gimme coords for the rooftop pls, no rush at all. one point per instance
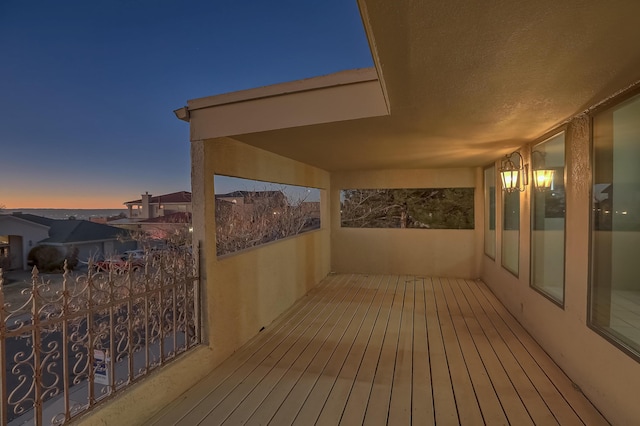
(174, 197)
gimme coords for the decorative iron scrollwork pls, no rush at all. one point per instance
(71, 344)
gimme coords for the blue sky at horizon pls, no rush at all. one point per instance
(88, 89)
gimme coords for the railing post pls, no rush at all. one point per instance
(65, 341)
(111, 353)
(130, 353)
(147, 308)
(174, 305)
(160, 306)
(37, 344)
(197, 310)
(3, 355)
(90, 335)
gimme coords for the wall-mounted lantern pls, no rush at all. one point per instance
(514, 175)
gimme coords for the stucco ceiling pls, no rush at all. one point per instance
(468, 81)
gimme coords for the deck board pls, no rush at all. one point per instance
(531, 399)
(402, 385)
(576, 400)
(274, 399)
(310, 412)
(298, 398)
(379, 398)
(422, 397)
(333, 409)
(458, 342)
(481, 307)
(503, 384)
(395, 350)
(358, 401)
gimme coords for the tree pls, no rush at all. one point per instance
(259, 217)
(439, 208)
(374, 208)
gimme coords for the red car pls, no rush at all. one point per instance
(119, 264)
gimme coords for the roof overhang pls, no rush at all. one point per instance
(455, 84)
(346, 95)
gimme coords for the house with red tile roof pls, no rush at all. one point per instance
(149, 206)
(158, 217)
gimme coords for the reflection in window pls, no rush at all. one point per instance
(428, 208)
(490, 211)
(250, 213)
(615, 287)
(511, 230)
(548, 218)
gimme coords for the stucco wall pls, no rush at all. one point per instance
(241, 292)
(434, 252)
(607, 376)
(248, 290)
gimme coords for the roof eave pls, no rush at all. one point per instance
(348, 95)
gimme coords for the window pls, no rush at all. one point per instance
(490, 212)
(250, 213)
(511, 230)
(615, 286)
(548, 218)
(427, 208)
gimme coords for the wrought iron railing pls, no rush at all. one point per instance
(77, 341)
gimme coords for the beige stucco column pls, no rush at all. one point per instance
(198, 222)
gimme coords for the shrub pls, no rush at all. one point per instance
(46, 258)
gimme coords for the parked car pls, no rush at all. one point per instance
(134, 254)
(119, 264)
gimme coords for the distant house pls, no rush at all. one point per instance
(158, 217)
(149, 207)
(19, 233)
(91, 239)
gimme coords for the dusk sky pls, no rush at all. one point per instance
(88, 88)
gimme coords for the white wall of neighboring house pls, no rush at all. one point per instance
(23, 235)
(149, 210)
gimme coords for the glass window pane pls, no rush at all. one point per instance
(615, 287)
(250, 213)
(490, 211)
(423, 208)
(548, 218)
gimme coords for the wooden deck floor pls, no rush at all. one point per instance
(393, 350)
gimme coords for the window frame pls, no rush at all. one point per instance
(225, 255)
(548, 136)
(596, 111)
(486, 210)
